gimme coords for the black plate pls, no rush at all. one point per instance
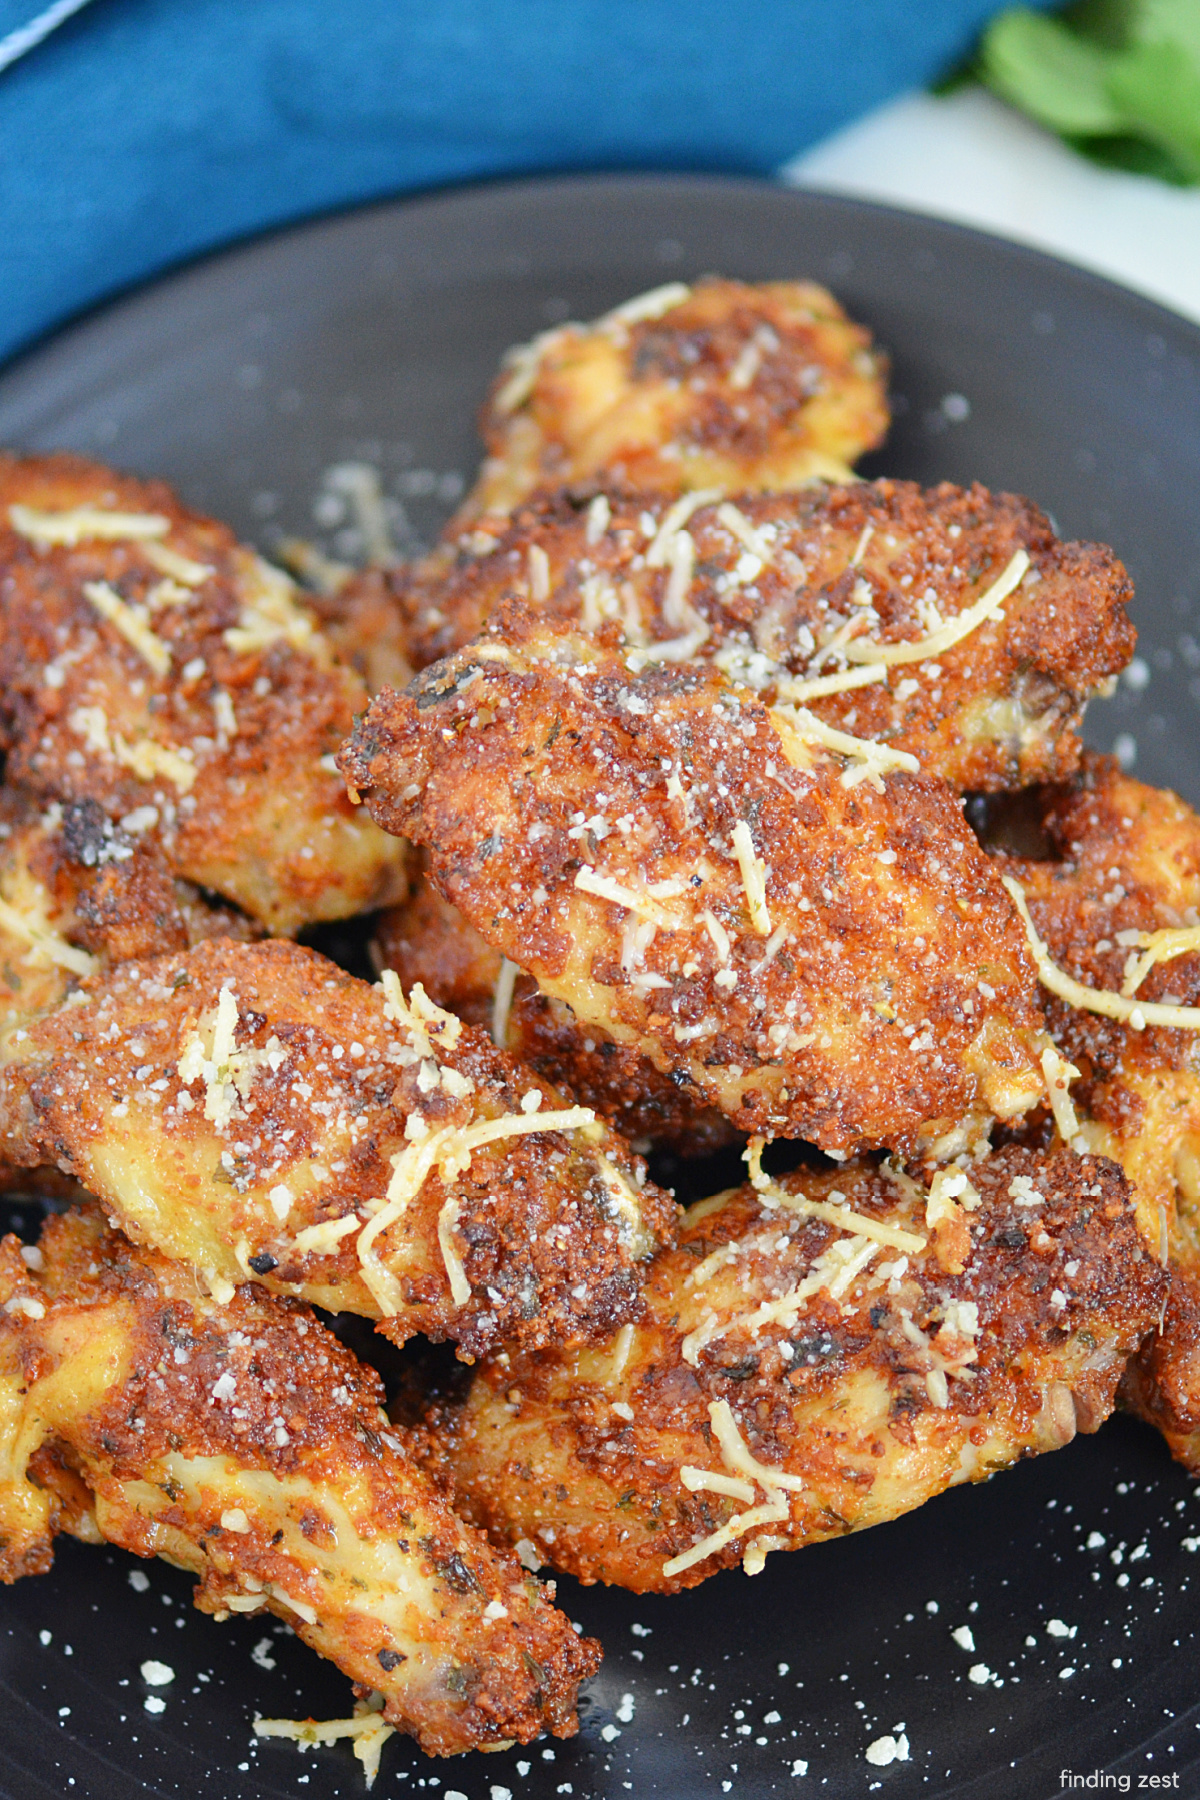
(371, 338)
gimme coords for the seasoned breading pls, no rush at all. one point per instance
(79, 894)
(698, 878)
(793, 1380)
(150, 663)
(725, 384)
(799, 587)
(1125, 866)
(259, 1114)
(244, 1443)
(426, 939)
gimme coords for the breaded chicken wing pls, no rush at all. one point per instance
(150, 663)
(818, 951)
(79, 894)
(244, 1443)
(1117, 907)
(427, 940)
(834, 586)
(726, 384)
(258, 1114)
(813, 1360)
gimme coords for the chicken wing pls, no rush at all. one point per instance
(818, 952)
(259, 1114)
(244, 1443)
(153, 665)
(427, 940)
(1116, 905)
(813, 1360)
(725, 384)
(870, 601)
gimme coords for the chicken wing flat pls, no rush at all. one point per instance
(152, 664)
(427, 940)
(725, 384)
(79, 894)
(870, 601)
(1117, 908)
(260, 1115)
(813, 1360)
(244, 1443)
(818, 951)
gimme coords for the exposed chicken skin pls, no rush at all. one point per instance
(149, 662)
(725, 384)
(427, 940)
(78, 894)
(791, 1382)
(260, 1115)
(246, 1444)
(696, 878)
(789, 587)
(1129, 866)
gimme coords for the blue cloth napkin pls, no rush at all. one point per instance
(144, 131)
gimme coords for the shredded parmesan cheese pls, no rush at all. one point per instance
(1059, 1074)
(539, 573)
(754, 878)
(502, 998)
(674, 519)
(738, 525)
(747, 1474)
(45, 944)
(796, 692)
(131, 622)
(421, 1018)
(149, 760)
(183, 569)
(875, 760)
(270, 612)
(858, 1224)
(925, 649)
(644, 904)
(599, 517)
(460, 1287)
(1124, 1008)
(321, 1239)
(449, 1149)
(79, 523)
(1158, 947)
(651, 305)
(367, 1728)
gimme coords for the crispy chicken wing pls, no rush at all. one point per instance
(259, 1114)
(725, 384)
(150, 663)
(244, 1443)
(817, 951)
(426, 939)
(813, 1361)
(803, 587)
(1117, 906)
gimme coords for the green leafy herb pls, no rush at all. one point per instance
(1118, 79)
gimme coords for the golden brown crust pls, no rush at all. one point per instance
(1124, 861)
(226, 1158)
(211, 700)
(247, 1444)
(999, 709)
(879, 993)
(426, 939)
(731, 385)
(910, 1380)
(79, 894)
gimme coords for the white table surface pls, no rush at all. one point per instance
(968, 157)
